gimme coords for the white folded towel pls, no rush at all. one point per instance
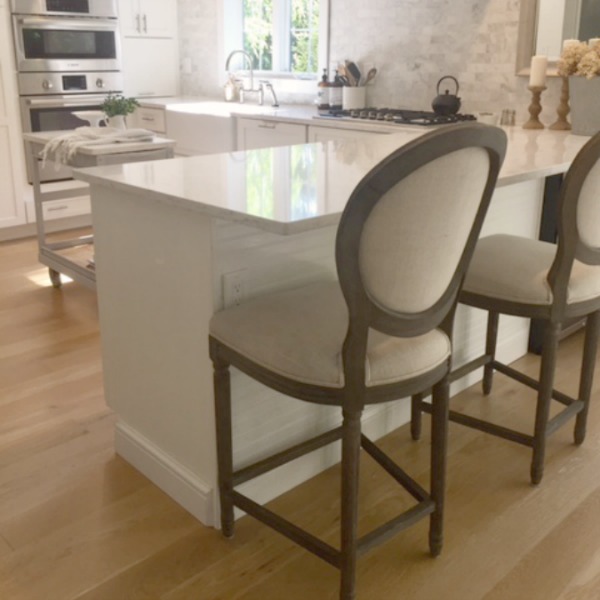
(63, 147)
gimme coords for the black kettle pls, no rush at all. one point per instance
(446, 104)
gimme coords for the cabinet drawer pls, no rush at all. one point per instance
(152, 119)
(60, 209)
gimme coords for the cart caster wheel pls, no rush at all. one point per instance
(55, 278)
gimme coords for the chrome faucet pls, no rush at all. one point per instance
(267, 84)
(244, 90)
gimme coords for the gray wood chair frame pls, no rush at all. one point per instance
(363, 315)
(570, 247)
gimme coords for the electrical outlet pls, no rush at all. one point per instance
(234, 288)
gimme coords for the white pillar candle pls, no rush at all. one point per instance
(567, 43)
(537, 72)
(593, 41)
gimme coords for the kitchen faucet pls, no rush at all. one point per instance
(260, 90)
(244, 90)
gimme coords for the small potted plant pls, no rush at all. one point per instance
(116, 107)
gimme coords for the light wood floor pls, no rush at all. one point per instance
(76, 522)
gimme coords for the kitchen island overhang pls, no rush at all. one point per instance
(169, 233)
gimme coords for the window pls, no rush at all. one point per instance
(284, 36)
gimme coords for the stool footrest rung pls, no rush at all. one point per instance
(562, 417)
(281, 458)
(467, 368)
(405, 480)
(486, 427)
(530, 382)
(393, 526)
(293, 532)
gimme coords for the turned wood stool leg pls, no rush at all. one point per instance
(590, 346)
(439, 441)
(349, 520)
(416, 416)
(222, 386)
(490, 349)
(547, 369)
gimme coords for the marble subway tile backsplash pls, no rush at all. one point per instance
(413, 43)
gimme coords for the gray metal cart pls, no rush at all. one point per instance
(60, 256)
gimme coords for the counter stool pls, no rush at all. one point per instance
(381, 333)
(539, 280)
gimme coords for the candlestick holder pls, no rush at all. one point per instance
(563, 109)
(535, 108)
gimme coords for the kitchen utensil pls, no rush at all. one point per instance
(353, 71)
(370, 75)
(446, 104)
(346, 76)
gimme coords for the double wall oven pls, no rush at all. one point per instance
(68, 57)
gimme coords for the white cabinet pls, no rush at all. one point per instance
(12, 177)
(148, 18)
(150, 47)
(258, 133)
(150, 67)
(151, 118)
(317, 133)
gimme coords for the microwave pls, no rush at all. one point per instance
(66, 44)
(106, 9)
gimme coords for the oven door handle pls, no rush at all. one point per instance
(96, 24)
(41, 103)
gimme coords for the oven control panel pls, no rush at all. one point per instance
(33, 84)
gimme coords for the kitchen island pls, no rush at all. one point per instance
(177, 240)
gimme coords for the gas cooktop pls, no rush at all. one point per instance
(399, 116)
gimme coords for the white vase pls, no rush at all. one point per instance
(585, 105)
(118, 122)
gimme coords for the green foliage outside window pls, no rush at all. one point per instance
(302, 33)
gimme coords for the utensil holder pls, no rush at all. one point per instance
(354, 97)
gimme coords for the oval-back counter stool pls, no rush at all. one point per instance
(381, 333)
(540, 280)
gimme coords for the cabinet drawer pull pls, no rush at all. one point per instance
(268, 125)
(145, 24)
(149, 119)
(138, 24)
(56, 208)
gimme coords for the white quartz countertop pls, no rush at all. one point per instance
(292, 189)
(305, 114)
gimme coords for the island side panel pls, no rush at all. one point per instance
(153, 267)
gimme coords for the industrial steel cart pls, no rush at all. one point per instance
(61, 256)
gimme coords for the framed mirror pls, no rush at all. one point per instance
(544, 24)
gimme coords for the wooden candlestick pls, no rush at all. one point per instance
(563, 109)
(535, 108)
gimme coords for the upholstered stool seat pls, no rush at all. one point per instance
(300, 333)
(379, 333)
(515, 269)
(553, 283)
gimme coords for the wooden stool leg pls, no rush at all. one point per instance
(439, 441)
(590, 346)
(547, 369)
(349, 522)
(222, 389)
(416, 416)
(490, 350)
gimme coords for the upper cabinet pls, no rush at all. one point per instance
(150, 47)
(148, 18)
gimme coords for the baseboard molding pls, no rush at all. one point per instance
(188, 490)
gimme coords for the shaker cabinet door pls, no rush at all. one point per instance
(148, 18)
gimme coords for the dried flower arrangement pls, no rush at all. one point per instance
(580, 59)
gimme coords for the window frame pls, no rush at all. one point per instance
(232, 31)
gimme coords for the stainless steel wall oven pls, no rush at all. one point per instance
(68, 55)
